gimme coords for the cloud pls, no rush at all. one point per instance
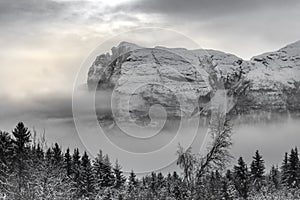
(242, 27)
(204, 9)
(51, 106)
(19, 11)
(33, 17)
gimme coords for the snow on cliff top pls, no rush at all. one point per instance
(271, 69)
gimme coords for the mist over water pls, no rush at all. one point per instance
(271, 138)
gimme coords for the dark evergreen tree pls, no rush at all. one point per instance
(241, 178)
(76, 171)
(98, 172)
(68, 162)
(57, 156)
(169, 184)
(161, 180)
(37, 163)
(48, 156)
(153, 183)
(217, 185)
(108, 176)
(50, 180)
(21, 161)
(228, 188)
(5, 162)
(176, 185)
(86, 178)
(274, 178)
(225, 191)
(132, 181)
(211, 189)
(39, 152)
(293, 165)
(257, 171)
(284, 170)
(119, 179)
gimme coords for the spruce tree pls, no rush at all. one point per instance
(57, 155)
(241, 178)
(48, 156)
(76, 170)
(274, 178)
(119, 179)
(292, 178)
(5, 162)
(21, 161)
(226, 189)
(68, 162)
(169, 183)
(161, 180)
(86, 178)
(284, 170)
(50, 180)
(98, 172)
(37, 163)
(39, 152)
(257, 171)
(108, 177)
(132, 181)
(153, 183)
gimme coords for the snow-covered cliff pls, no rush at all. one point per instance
(175, 78)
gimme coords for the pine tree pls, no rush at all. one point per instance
(76, 170)
(50, 180)
(274, 178)
(257, 171)
(169, 183)
(57, 156)
(176, 185)
(119, 179)
(5, 162)
(284, 170)
(241, 178)
(298, 169)
(293, 164)
(98, 172)
(132, 181)
(37, 162)
(153, 183)
(49, 155)
(68, 162)
(86, 178)
(217, 184)
(160, 180)
(39, 152)
(21, 162)
(227, 189)
(108, 177)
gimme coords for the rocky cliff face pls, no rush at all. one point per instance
(175, 78)
(275, 80)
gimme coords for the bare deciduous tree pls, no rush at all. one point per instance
(225, 92)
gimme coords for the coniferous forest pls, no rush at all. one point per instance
(31, 170)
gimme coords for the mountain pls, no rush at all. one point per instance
(177, 79)
(275, 77)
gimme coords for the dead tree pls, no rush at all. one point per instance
(225, 92)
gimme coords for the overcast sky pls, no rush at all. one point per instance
(43, 43)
